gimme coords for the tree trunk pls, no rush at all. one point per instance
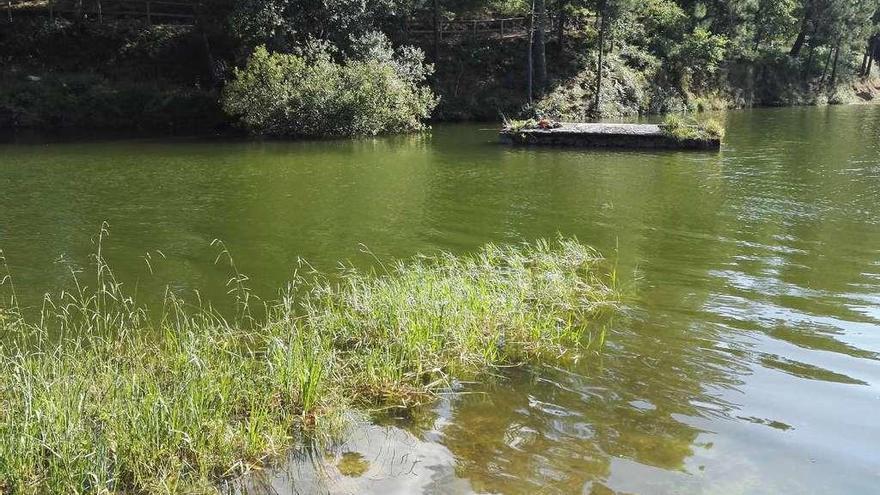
(759, 26)
(834, 70)
(531, 74)
(825, 68)
(436, 31)
(809, 65)
(560, 25)
(874, 53)
(201, 25)
(863, 69)
(598, 101)
(801, 37)
(540, 57)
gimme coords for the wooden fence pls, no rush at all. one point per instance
(447, 28)
(184, 12)
(153, 11)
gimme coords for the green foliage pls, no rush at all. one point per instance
(698, 57)
(116, 50)
(663, 23)
(311, 94)
(520, 125)
(683, 129)
(661, 55)
(709, 102)
(625, 93)
(773, 23)
(126, 404)
(91, 101)
(287, 24)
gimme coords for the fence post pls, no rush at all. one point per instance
(50, 6)
(100, 13)
(149, 14)
(9, 9)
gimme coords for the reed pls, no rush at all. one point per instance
(97, 396)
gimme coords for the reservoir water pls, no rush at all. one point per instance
(747, 359)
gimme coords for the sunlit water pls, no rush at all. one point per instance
(747, 361)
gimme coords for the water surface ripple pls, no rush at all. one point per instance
(748, 360)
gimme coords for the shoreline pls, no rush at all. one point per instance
(39, 135)
(125, 404)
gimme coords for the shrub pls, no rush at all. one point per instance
(311, 94)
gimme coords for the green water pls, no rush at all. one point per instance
(748, 360)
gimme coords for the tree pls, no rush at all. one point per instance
(283, 24)
(875, 55)
(603, 26)
(873, 45)
(436, 23)
(807, 13)
(540, 54)
(772, 20)
(845, 25)
(610, 12)
(561, 19)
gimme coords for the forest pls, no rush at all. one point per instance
(365, 67)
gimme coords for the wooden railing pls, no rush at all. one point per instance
(184, 12)
(502, 26)
(153, 11)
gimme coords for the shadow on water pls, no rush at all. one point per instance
(747, 361)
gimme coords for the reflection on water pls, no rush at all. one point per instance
(748, 360)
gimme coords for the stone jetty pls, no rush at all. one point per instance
(582, 135)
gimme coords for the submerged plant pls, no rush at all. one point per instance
(97, 397)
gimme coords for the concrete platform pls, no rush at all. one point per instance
(583, 135)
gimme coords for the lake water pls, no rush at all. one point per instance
(748, 359)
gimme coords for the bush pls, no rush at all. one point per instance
(311, 94)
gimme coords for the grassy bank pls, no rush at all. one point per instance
(126, 403)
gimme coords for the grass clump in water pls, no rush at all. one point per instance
(519, 125)
(127, 403)
(682, 129)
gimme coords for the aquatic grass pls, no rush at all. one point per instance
(97, 397)
(683, 129)
(513, 125)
